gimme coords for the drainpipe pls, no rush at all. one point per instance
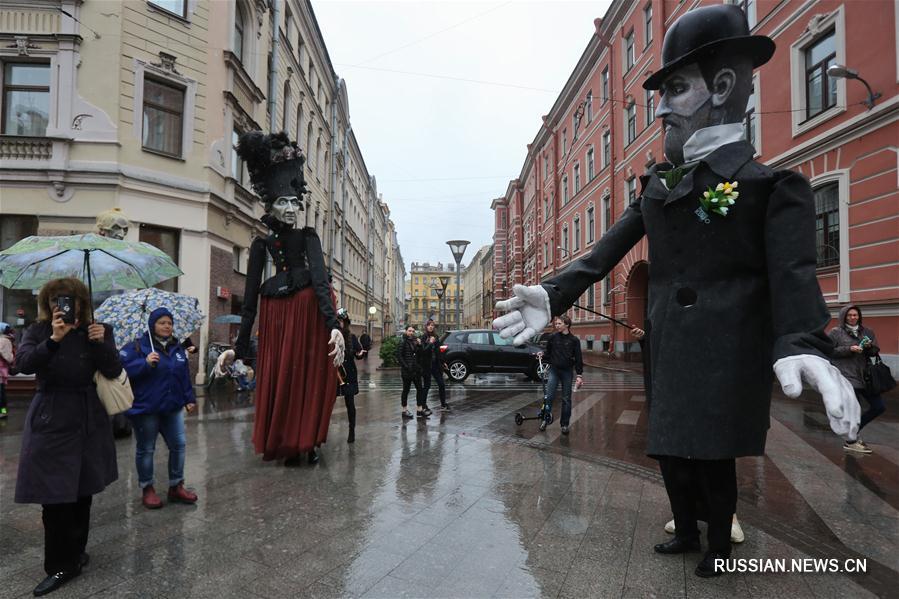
(273, 67)
(333, 172)
(343, 194)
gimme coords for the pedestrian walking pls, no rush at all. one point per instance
(7, 356)
(853, 345)
(160, 379)
(563, 351)
(432, 364)
(68, 454)
(349, 386)
(410, 367)
(365, 340)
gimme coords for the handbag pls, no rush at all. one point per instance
(878, 378)
(115, 394)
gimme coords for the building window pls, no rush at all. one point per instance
(545, 253)
(236, 259)
(288, 25)
(167, 240)
(12, 230)
(575, 124)
(564, 242)
(565, 190)
(26, 98)
(647, 24)
(589, 105)
(630, 114)
(545, 208)
(630, 53)
(237, 165)
(820, 89)
(285, 116)
(606, 148)
(748, 7)
(605, 84)
(591, 296)
(300, 121)
(564, 141)
(650, 106)
(607, 290)
(577, 178)
(545, 167)
(827, 224)
(591, 164)
(163, 126)
(591, 224)
(239, 24)
(750, 119)
(632, 190)
(178, 7)
(577, 233)
(606, 213)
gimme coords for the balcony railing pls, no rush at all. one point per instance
(16, 147)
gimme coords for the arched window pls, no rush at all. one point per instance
(285, 123)
(309, 141)
(318, 152)
(299, 122)
(239, 25)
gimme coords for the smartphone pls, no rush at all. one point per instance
(66, 305)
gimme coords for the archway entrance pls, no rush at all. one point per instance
(638, 294)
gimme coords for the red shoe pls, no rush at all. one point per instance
(181, 495)
(150, 499)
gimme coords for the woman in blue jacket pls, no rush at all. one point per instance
(160, 378)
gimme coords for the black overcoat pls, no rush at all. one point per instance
(727, 298)
(67, 446)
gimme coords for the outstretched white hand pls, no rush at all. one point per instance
(529, 313)
(339, 348)
(840, 402)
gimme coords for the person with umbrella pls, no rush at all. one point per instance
(160, 379)
(68, 454)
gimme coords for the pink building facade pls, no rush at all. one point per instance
(582, 168)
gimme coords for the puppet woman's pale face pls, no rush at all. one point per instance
(286, 208)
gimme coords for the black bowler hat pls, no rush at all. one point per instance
(707, 31)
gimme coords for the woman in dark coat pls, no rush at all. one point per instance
(350, 386)
(68, 454)
(407, 355)
(853, 345)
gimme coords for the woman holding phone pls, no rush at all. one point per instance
(68, 454)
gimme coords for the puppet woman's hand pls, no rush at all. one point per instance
(339, 348)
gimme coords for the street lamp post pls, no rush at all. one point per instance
(444, 281)
(458, 247)
(371, 316)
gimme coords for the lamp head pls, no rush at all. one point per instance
(841, 72)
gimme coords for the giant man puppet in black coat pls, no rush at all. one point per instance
(296, 377)
(732, 285)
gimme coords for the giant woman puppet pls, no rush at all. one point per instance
(733, 296)
(297, 377)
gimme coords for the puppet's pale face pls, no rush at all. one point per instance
(286, 208)
(115, 231)
(685, 108)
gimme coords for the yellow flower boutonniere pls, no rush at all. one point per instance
(717, 201)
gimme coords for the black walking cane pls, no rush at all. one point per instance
(624, 324)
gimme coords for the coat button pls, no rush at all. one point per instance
(686, 297)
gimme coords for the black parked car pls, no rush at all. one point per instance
(482, 350)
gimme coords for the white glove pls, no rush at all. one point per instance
(840, 402)
(530, 313)
(339, 348)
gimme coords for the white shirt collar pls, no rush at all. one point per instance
(705, 141)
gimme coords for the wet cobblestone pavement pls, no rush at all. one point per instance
(469, 504)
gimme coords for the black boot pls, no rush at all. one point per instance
(707, 569)
(678, 545)
(54, 581)
(351, 436)
(313, 457)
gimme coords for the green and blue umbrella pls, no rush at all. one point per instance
(103, 263)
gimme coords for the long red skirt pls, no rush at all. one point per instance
(296, 380)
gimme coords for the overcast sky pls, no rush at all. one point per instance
(445, 137)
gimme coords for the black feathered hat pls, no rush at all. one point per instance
(275, 164)
(707, 31)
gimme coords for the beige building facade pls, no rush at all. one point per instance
(138, 105)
